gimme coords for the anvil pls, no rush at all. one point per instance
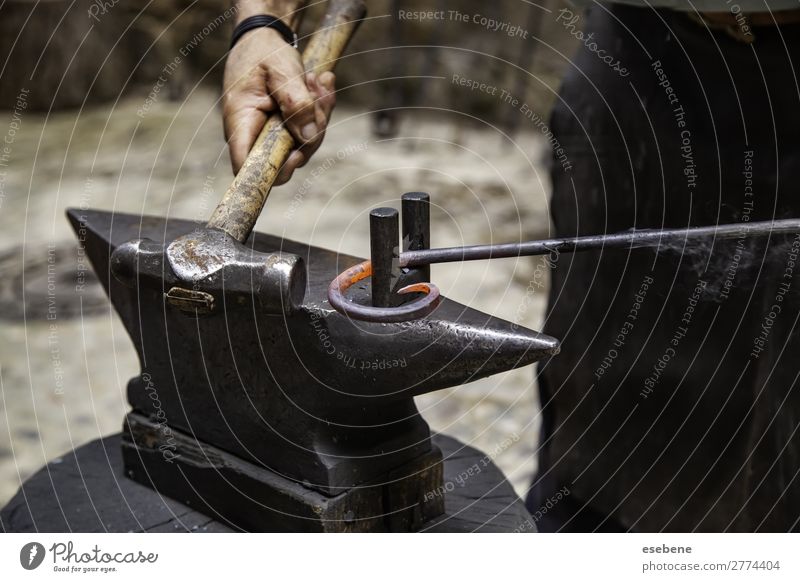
(265, 419)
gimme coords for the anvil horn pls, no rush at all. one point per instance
(309, 394)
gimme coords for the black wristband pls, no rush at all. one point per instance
(264, 21)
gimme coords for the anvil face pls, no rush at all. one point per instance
(311, 395)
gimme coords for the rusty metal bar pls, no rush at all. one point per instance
(633, 239)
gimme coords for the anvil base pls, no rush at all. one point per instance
(254, 498)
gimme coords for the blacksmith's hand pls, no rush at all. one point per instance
(264, 74)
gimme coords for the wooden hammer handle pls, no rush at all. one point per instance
(240, 207)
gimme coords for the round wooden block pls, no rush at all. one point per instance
(86, 491)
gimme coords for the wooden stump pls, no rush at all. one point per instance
(86, 491)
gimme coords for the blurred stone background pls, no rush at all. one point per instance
(77, 132)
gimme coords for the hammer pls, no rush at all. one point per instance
(197, 266)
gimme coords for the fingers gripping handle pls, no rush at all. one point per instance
(240, 207)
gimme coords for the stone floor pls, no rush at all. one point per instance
(65, 358)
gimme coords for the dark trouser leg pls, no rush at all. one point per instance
(658, 413)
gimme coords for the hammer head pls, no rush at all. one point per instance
(284, 383)
(198, 268)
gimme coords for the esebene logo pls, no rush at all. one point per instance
(31, 555)
(67, 559)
